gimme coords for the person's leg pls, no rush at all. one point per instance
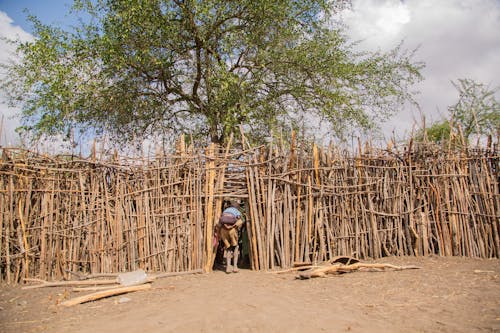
(228, 254)
(235, 259)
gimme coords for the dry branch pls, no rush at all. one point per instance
(103, 294)
(341, 268)
(82, 276)
(78, 289)
(45, 284)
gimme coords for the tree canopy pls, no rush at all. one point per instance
(136, 68)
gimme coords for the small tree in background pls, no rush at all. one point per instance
(476, 112)
(438, 132)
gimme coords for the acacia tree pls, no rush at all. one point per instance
(141, 67)
(477, 110)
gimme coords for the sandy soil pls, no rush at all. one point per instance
(446, 295)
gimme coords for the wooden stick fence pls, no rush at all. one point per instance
(303, 204)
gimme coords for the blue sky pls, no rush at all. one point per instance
(48, 11)
(455, 38)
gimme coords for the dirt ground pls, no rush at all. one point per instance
(446, 295)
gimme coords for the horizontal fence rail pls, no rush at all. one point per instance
(64, 214)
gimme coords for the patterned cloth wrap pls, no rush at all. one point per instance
(229, 216)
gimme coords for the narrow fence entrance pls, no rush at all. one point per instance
(233, 187)
(63, 214)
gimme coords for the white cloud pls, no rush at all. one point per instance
(455, 38)
(7, 29)
(379, 23)
(8, 121)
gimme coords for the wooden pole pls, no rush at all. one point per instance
(103, 294)
(209, 202)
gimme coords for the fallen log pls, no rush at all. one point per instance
(303, 266)
(82, 276)
(105, 293)
(340, 268)
(96, 288)
(68, 283)
(88, 282)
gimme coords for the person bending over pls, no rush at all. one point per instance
(229, 224)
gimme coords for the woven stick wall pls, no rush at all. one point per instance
(303, 204)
